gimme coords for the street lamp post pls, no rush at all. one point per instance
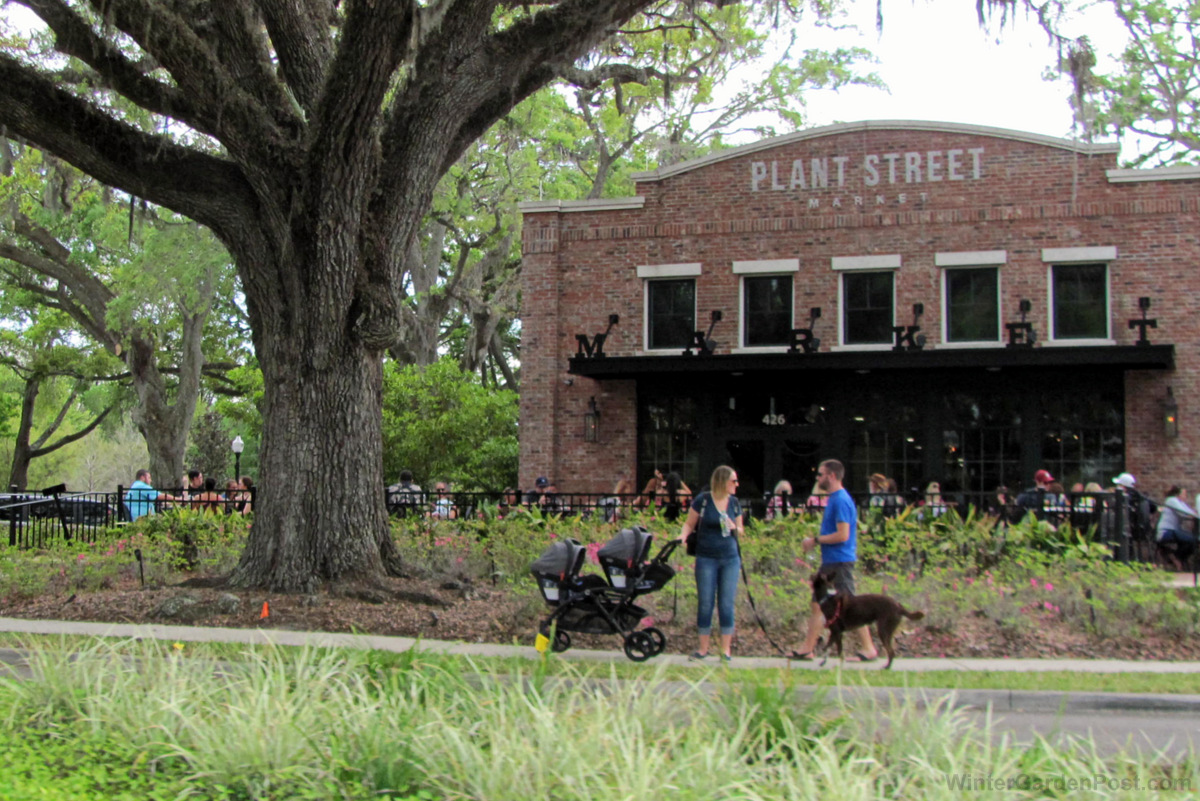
(238, 446)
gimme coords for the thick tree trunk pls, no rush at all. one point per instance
(162, 424)
(319, 514)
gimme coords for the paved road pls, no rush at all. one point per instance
(1175, 735)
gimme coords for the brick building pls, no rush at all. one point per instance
(931, 301)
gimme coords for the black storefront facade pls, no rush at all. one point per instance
(971, 419)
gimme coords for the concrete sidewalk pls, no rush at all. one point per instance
(1047, 701)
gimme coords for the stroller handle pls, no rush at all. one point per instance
(665, 553)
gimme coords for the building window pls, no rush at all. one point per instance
(670, 313)
(669, 438)
(1079, 295)
(867, 308)
(972, 305)
(766, 310)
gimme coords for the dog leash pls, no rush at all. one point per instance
(753, 606)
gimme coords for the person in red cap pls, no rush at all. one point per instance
(1032, 498)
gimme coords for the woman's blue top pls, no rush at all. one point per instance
(716, 532)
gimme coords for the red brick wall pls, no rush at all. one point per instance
(580, 267)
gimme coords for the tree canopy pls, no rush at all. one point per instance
(309, 136)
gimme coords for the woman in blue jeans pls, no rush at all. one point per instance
(715, 518)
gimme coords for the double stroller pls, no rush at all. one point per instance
(594, 605)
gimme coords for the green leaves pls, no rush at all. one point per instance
(442, 424)
(1155, 92)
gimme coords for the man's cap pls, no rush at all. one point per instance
(542, 481)
(1043, 477)
(1125, 480)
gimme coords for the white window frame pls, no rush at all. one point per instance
(1105, 255)
(760, 268)
(651, 272)
(966, 260)
(873, 264)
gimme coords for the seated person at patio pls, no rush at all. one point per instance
(443, 506)
(933, 505)
(209, 500)
(1173, 517)
(676, 495)
(651, 493)
(1031, 499)
(536, 495)
(142, 499)
(816, 499)
(1055, 502)
(623, 491)
(780, 504)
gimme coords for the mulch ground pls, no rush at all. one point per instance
(443, 609)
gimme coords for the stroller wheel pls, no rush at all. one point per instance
(639, 646)
(658, 639)
(561, 641)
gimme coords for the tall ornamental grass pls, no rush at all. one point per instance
(337, 724)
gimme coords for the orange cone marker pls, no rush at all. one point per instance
(266, 612)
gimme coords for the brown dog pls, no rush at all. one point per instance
(844, 612)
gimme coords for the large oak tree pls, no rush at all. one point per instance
(334, 122)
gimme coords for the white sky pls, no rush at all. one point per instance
(940, 65)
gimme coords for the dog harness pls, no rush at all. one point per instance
(837, 613)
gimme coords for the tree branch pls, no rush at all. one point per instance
(299, 30)
(207, 189)
(254, 126)
(74, 37)
(78, 435)
(619, 73)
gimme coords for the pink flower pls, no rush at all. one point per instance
(1033, 583)
(883, 589)
(1049, 587)
(970, 581)
(593, 550)
(81, 557)
(954, 586)
(1048, 606)
(646, 621)
(990, 582)
(799, 561)
(912, 576)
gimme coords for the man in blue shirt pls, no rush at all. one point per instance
(838, 539)
(140, 500)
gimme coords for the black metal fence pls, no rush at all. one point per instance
(1125, 522)
(37, 519)
(1122, 521)
(34, 520)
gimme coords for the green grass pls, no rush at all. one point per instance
(1058, 681)
(120, 720)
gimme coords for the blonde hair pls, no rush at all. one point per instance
(719, 479)
(783, 486)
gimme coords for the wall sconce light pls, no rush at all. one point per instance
(591, 422)
(1170, 415)
(1142, 324)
